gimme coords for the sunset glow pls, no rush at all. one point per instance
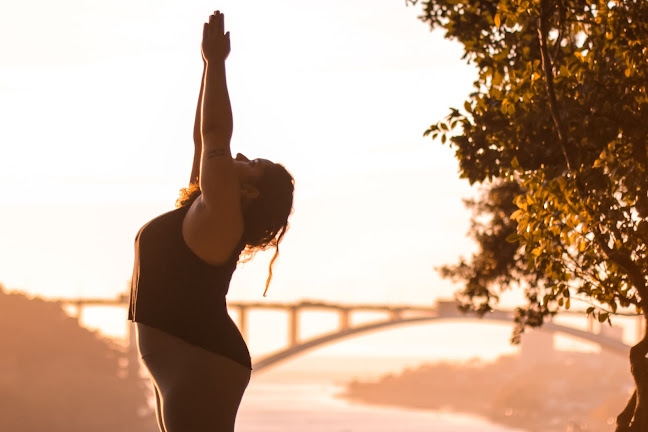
(100, 102)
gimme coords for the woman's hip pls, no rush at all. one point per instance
(170, 359)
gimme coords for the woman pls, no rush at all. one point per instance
(184, 259)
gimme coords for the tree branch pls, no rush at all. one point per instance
(561, 32)
(547, 67)
(603, 309)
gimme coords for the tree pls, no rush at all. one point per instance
(58, 376)
(556, 131)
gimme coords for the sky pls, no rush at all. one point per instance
(97, 101)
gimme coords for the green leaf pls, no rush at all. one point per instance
(512, 238)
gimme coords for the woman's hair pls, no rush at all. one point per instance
(265, 218)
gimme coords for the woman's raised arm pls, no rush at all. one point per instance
(216, 124)
(214, 224)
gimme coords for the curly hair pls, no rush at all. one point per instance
(265, 219)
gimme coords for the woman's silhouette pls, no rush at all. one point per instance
(184, 259)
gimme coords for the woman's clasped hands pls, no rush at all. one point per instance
(215, 43)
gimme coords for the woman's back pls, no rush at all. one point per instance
(175, 291)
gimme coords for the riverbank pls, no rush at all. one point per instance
(572, 391)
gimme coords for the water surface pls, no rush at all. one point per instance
(275, 405)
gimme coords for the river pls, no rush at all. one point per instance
(276, 403)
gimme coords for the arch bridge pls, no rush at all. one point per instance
(393, 315)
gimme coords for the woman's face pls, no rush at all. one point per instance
(249, 171)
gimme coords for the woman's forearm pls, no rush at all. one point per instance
(197, 136)
(216, 117)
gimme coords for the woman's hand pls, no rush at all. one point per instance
(215, 43)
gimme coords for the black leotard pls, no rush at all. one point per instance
(177, 292)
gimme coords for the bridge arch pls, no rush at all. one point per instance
(443, 310)
(610, 344)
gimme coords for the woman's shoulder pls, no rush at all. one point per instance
(212, 236)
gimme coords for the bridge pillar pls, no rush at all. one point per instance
(344, 319)
(243, 321)
(590, 324)
(395, 314)
(293, 326)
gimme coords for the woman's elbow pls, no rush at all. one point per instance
(216, 136)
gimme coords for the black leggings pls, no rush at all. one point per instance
(195, 390)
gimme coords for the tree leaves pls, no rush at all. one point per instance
(562, 211)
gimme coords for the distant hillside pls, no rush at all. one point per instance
(574, 392)
(56, 376)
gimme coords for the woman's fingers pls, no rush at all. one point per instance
(217, 23)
